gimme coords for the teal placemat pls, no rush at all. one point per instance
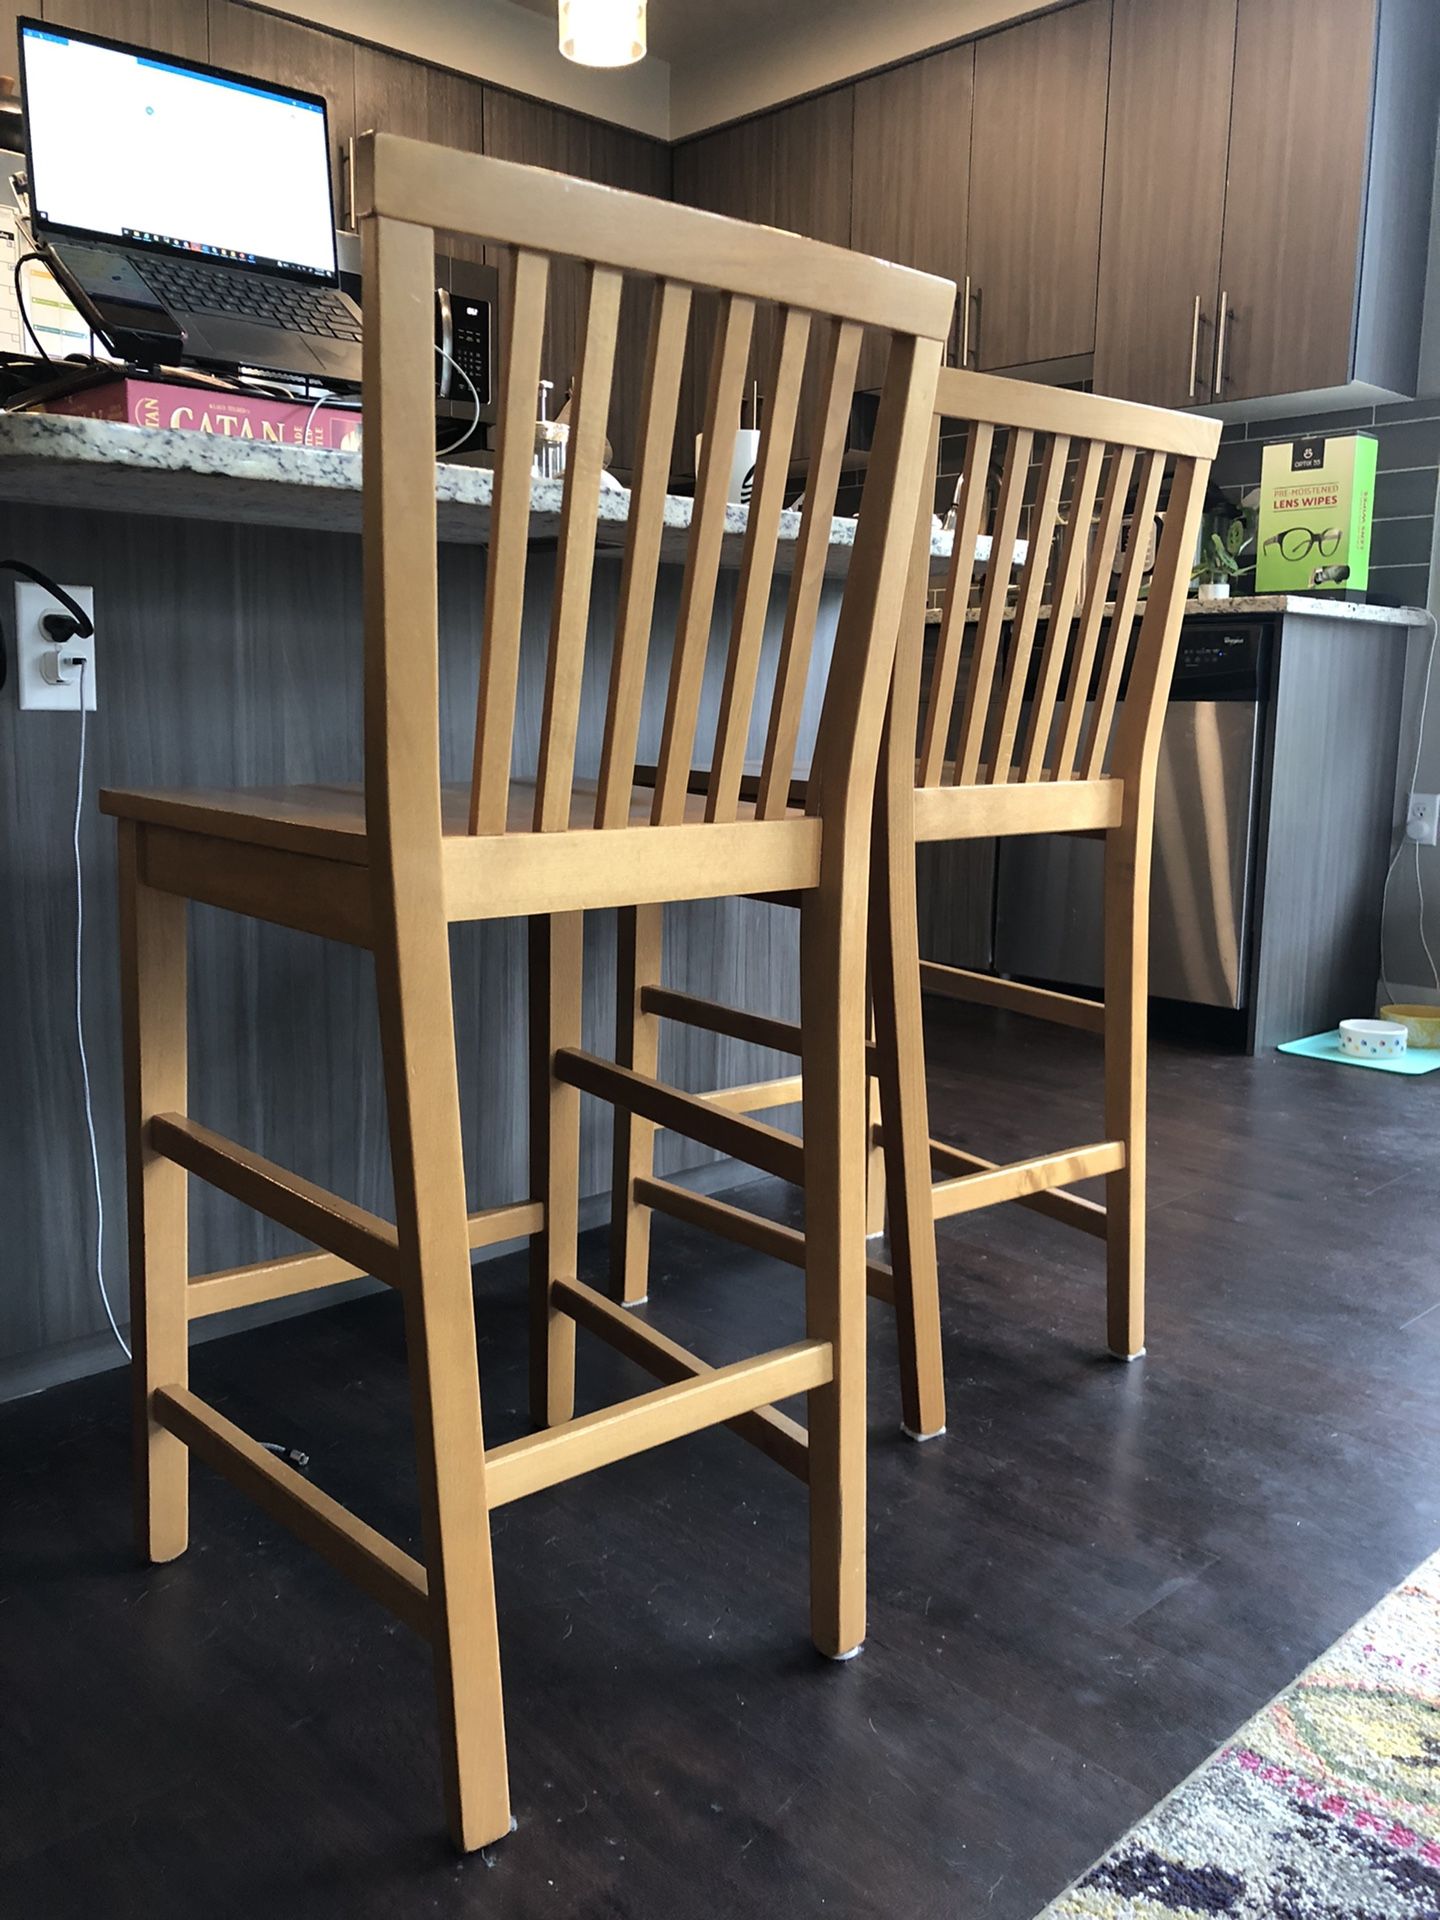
(1326, 1046)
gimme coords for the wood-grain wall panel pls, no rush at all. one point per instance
(294, 55)
(169, 26)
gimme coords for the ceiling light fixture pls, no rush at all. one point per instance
(602, 33)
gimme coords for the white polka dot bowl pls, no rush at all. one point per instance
(1372, 1039)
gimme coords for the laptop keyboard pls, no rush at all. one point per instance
(251, 296)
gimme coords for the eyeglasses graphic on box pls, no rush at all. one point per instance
(1298, 543)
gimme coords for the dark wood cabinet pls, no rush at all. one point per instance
(792, 169)
(543, 136)
(910, 188)
(169, 26)
(297, 56)
(1166, 154)
(1300, 133)
(1037, 159)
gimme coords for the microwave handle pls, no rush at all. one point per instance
(445, 322)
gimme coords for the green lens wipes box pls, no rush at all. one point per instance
(1317, 500)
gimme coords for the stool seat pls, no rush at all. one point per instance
(300, 855)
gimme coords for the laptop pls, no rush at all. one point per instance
(186, 210)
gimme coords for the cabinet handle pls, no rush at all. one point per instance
(965, 324)
(1194, 346)
(972, 335)
(1221, 324)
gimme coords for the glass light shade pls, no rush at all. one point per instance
(602, 33)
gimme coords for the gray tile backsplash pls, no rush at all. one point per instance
(1406, 485)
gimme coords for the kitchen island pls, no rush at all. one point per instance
(227, 579)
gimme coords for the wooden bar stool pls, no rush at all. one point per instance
(389, 867)
(1042, 713)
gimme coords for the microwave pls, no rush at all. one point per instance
(467, 298)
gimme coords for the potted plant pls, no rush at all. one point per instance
(1214, 570)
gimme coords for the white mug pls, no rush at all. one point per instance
(742, 464)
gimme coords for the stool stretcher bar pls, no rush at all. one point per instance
(746, 1229)
(301, 1272)
(1024, 1177)
(690, 1113)
(784, 1440)
(354, 1549)
(544, 1459)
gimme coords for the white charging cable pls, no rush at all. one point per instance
(454, 447)
(80, 1033)
(1395, 860)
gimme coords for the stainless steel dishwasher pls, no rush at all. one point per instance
(1048, 921)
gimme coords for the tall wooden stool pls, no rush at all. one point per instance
(391, 866)
(1041, 713)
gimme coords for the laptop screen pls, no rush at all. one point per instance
(164, 154)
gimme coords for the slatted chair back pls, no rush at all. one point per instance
(823, 301)
(1076, 519)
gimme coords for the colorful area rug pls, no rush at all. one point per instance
(1325, 1806)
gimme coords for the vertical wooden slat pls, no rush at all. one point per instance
(664, 368)
(837, 393)
(575, 560)
(939, 711)
(702, 561)
(1064, 600)
(762, 533)
(1122, 620)
(522, 315)
(992, 608)
(1097, 592)
(1027, 605)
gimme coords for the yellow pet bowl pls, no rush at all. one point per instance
(1421, 1024)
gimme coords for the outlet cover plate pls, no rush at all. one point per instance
(36, 693)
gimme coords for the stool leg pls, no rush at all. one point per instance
(1127, 972)
(152, 987)
(417, 1032)
(637, 1044)
(905, 1121)
(832, 974)
(556, 960)
(874, 1160)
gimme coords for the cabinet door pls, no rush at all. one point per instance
(166, 26)
(787, 169)
(1037, 161)
(910, 198)
(545, 136)
(1299, 145)
(397, 95)
(1166, 145)
(291, 55)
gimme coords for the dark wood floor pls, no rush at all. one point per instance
(1075, 1596)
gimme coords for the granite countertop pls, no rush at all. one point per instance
(52, 459)
(1319, 604)
(1308, 604)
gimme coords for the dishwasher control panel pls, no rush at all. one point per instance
(1219, 659)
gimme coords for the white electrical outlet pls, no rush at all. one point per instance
(1423, 818)
(46, 676)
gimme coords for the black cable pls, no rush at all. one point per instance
(40, 346)
(84, 626)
